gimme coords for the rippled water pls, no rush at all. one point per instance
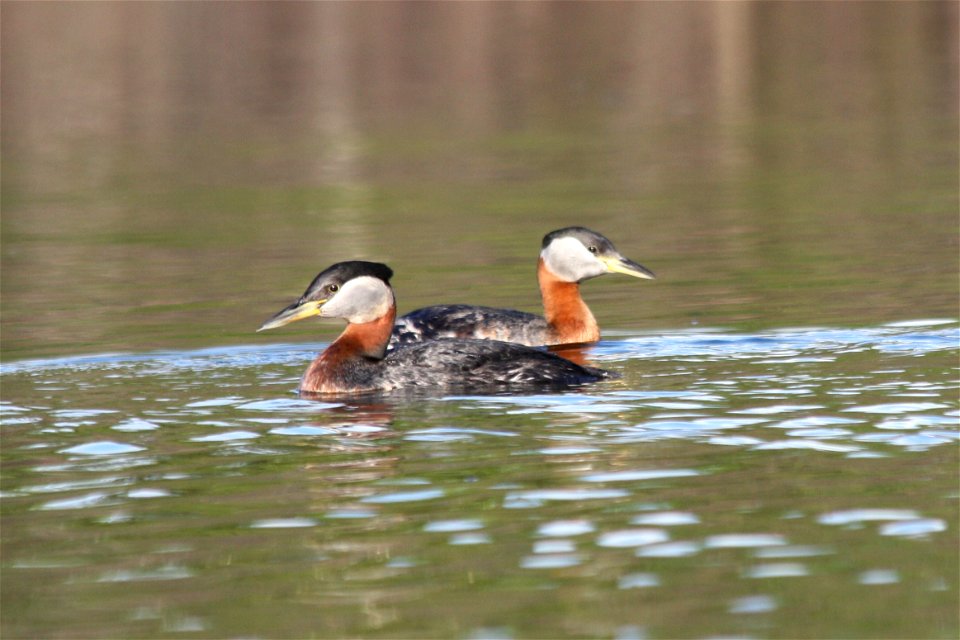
(174, 173)
(792, 483)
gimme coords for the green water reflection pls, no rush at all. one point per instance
(776, 485)
(771, 170)
(174, 172)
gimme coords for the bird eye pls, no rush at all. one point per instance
(592, 249)
(333, 288)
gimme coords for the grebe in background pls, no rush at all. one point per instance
(568, 256)
(358, 361)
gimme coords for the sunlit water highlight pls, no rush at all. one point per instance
(724, 473)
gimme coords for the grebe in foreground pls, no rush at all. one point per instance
(357, 361)
(568, 256)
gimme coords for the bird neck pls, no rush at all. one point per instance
(361, 342)
(568, 317)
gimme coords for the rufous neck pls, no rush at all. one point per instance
(368, 339)
(567, 315)
(358, 342)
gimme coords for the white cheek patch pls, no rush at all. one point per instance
(360, 300)
(570, 260)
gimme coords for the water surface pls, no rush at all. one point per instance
(174, 173)
(778, 460)
(791, 483)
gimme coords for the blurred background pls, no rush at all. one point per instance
(174, 173)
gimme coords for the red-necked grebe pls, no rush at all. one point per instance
(358, 361)
(567, 257)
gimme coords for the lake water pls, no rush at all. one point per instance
(785, 483)
(779, 458)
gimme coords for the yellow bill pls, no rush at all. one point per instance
(297, 311)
